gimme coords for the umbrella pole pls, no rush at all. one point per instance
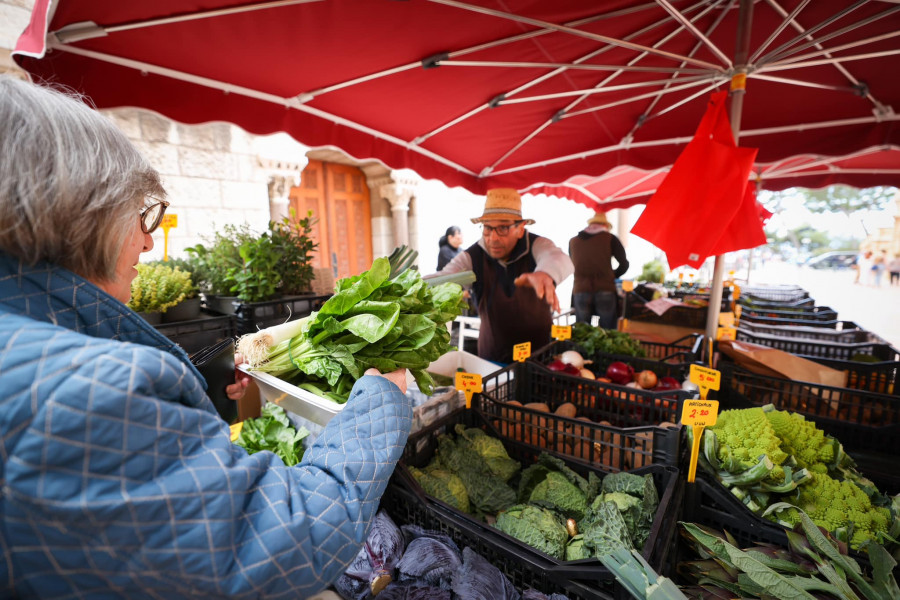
(738, 80)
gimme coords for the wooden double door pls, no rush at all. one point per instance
(339, 198)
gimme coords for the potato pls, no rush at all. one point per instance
(567, 410)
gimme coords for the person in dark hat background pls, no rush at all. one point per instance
(594, 291)
(517, 273)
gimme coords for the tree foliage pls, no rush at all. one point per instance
(847, 200)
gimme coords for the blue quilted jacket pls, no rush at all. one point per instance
(119, 479)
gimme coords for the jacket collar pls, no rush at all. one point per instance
(45, 292)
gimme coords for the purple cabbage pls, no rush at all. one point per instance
(377, 558)
(478, 579)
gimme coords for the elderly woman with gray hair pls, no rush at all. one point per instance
(117, 477)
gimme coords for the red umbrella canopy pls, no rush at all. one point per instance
(626, 186)
(487, 93)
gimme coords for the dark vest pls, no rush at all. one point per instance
(509, 315)
(592, 256)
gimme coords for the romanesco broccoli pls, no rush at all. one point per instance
(744, 435)
(802, 439)
(839, 507)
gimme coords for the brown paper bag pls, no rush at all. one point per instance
(777, 363)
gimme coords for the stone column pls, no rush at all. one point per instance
(281, 176)
(398, 188)
(398, 197)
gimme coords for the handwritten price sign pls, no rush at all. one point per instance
(703, 413)
(169, 221)
(726, 333)
(698, 414)
(561, 332)
(521, 351)
(468, 384)
(705, 378)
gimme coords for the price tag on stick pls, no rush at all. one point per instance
(701, 413)
(561, 332)
(521, 351)
(169, 221)
(468, 384)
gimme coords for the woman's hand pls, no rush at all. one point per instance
(397, 377)
(236, 390)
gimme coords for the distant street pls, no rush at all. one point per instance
(874, 309)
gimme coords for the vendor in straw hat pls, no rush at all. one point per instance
(592, 251)
(517, 273)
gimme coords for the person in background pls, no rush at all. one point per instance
(894, 270)
(879, 264)
(864, 268)
(119, 479)
(450, 245)
(592, 251)
(516, 277)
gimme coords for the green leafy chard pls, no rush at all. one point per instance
(377, 319)
(274, 432)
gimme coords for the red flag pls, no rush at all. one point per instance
(700, 209)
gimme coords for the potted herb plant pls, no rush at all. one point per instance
(158, 288)
(237, 267)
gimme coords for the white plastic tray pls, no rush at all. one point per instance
(305, 405)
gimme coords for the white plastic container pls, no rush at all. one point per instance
(313, 412)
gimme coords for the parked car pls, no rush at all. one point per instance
(833, 260)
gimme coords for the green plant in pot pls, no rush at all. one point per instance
(254, 268)
(292, 238)
(157, 288)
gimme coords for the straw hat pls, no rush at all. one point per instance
(503, 204)
(599, 218)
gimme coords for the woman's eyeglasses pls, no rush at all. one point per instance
(501, 230)
(152, 215)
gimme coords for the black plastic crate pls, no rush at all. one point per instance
(682, 316)
(775, 293)
(199, 333)
(253, 316)
(866, 423)
(620, 405)
(421, 447)
(682, 351)
(404, 507)
(749, 301)
(832, 324)
(880, 375)
(707, 502)
(846, 332)
(833, 350)
(811, 313)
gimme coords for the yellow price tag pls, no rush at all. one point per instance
(699, 414)
(521, 351)
(561, 332)
(705, 378)
(726, 333)
(702, 413)
(236, 430)
(627, 286)
(169, 221)
(736, 292)
(726, 319)
(468, 384)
